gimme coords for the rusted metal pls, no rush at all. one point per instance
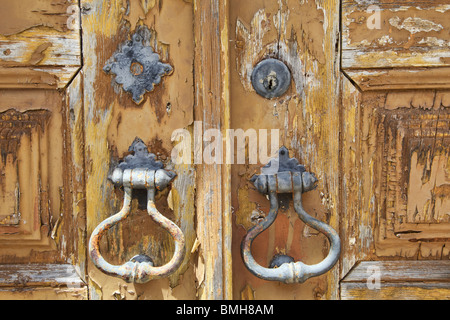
(140, 269)
(290, 178)
(137, 67)
(271, 78)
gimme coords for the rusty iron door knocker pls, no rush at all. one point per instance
(139, 171)
(281, 176)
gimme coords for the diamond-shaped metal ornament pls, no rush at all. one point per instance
(137, 68)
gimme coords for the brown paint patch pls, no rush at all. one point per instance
(38, 54)
(44, 231)
(309, 18)
(17, 16)
(14, 124)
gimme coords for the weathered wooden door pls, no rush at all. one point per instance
(367, 110)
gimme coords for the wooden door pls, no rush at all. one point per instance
(367, 111)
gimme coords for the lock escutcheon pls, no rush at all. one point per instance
(271, 78)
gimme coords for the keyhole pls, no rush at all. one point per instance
(271, 81)
(136, 68)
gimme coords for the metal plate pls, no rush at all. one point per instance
(136, 66)
(271, 78)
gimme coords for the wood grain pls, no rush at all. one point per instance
(41, 282)
(212, 108)
(398, 280)
(41, 49)
(112, 121)
(396, 44)
(304, 35)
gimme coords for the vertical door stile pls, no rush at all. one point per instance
(212, 108)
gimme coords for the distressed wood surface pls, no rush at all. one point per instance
(40, 45)
(212, 108)
(373, 126)
(37, 224)
(76, 199)
(39, 275)
(397, 291)
(398, 280)
(112, 121)
(410, 34)
(411, 37)
(399, 78)
(394, 146)
(44, 293)
(395, 151)
(304, 35)
(401, 271)
(41, 282)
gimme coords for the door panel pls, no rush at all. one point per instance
(39, 226)
(395, 150)
(32, 197)
(112, 120)
(304, 35)
(395, 126)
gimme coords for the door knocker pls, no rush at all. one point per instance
(139, 171)
(288, 177)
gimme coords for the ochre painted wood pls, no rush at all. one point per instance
(112, 121)
(368, 111)
(396, 44)
(40, 43)
(396, 152)
(394, 146)
(42, 225)
(304, 35)
(398, 280)
(212, 108)
(35, 132)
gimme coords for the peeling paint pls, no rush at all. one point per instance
(415, 25)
